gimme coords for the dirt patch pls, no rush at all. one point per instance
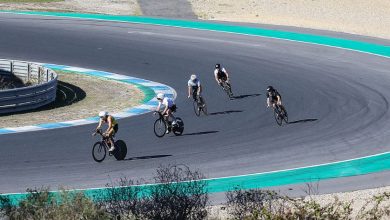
(117, 7)
(79, 96)
(370, 18)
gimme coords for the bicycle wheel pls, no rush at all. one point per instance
(196, 108)
(230, 93)
(204, 107)
(285, 115)
(160, 127)
(180, 127)
(99, 152)
(120, 150)
(277, 116)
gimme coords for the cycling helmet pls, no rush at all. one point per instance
(193, 77)
(160, 96)
(217, 65)
(103, 114)
(270, 88)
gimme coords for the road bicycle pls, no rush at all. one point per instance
(280, 114)
(161, 126)
(227, 88)
(199, 105)
(100, 148)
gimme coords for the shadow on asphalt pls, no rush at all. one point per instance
(245, 96)
(225, 112)
(148, 157)
(303, 121)
(200, 133)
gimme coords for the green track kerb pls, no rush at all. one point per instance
(347, 168)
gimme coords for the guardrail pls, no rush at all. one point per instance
(41, 90)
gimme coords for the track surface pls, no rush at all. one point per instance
(345, 92)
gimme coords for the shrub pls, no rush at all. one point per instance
(41, 204)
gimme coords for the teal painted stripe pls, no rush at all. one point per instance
(376, 49)
(365, 165)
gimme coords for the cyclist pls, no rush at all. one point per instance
(112, 127)
(221, 75)
(195, 88)
(169, 108)
(273, 97)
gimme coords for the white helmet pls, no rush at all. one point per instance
(160, 96)
(103, 114)
(193, 77)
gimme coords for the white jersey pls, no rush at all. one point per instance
(222, 70)
(168, 102)
(194, 83)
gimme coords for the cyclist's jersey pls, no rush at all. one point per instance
(168, 102)
(220, 73)
(273, 95)
(113, 121)
(194, 84)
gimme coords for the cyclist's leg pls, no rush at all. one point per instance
(111, 139)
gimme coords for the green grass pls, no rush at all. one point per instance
(28, 1)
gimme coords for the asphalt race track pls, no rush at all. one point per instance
(337, 101)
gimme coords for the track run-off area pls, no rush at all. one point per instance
(334, 87)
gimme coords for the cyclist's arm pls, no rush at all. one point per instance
(109, 129)
(216, 77)
(165, 110)
(100, 124)
(227, 74)
(279, 100)
(189, 91)
(158, 107)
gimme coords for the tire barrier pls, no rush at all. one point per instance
(39, 90)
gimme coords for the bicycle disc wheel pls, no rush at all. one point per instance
(99, 152)
(121, 150)
(196, 108)
(277, 116)
(160, 127)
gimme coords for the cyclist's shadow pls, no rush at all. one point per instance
(148, 157)
(245, 96)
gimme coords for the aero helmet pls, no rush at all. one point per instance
(103, 114)
(193, 77)
(217, 65)
(270, 88)
(160, 96)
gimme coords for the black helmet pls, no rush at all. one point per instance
(217, 65)
(270, 88)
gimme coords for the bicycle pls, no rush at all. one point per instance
(100, 148)
(280, 114)
(161, 126)
(227, 88)
(199, 105)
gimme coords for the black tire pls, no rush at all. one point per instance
(99, 152)
(277, 117)
(204, 108)
(179, 130)
(285, 115)
(230, 93)
(196, 108)
(160, 127)
(120, 150)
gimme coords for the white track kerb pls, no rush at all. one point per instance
(145, 107)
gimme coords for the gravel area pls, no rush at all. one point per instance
(117, 7)
(96, 95)
(370, 18)
(358, 199)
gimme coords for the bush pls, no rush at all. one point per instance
(264, 204)
(179, 193)
(41, 204)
